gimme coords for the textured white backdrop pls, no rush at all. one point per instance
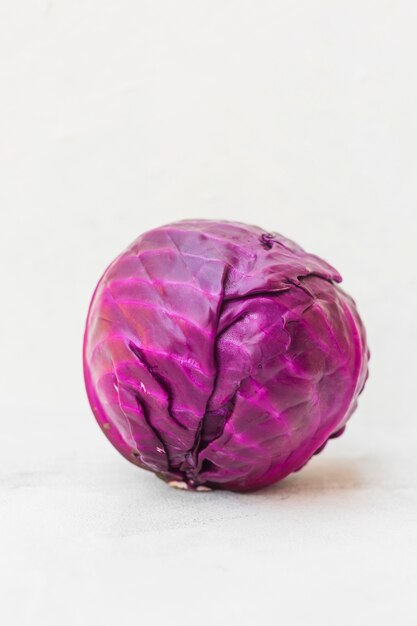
(117, 116)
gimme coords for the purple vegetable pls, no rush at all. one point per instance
(219, 355)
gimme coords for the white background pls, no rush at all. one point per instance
(118, 116)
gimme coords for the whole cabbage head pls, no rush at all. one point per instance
(218, 355)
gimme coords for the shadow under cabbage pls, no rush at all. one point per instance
(322, 475)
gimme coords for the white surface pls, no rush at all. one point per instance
(119, 116)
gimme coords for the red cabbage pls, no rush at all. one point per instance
(218, 355)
